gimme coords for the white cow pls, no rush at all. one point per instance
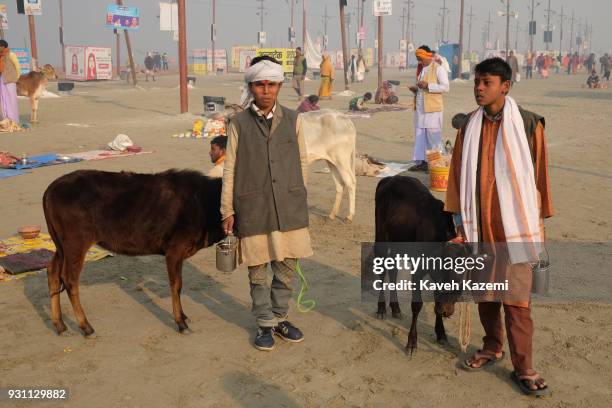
(330, 136)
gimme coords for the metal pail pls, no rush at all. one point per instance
(227, 254)
(540, 276)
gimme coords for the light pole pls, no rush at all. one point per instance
(507, 14)
(532, 24)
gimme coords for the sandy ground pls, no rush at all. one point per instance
(349, 358)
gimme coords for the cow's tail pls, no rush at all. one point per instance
(54, 269)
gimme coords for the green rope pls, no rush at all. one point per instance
(303, 306)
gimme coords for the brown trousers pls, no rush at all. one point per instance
(519, 327)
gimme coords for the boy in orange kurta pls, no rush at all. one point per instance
(492, 84)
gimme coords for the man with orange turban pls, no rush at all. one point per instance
(432, 81)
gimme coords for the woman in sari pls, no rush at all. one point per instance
(9, 74)
(327, 77)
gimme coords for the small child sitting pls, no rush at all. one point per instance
(358, 102)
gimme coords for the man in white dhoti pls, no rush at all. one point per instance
(432, 82)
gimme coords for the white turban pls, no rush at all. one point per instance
(262, 71)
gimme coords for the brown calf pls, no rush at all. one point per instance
(33, 84)
(174, 213)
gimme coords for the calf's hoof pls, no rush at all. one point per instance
(396, 312)
(381, 313)
(411, 347)
(443, 341)
(182, 327)
(60, 328)
(88, 332)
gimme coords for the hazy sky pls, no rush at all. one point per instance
(238, 23)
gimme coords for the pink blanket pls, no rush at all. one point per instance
(104, 154)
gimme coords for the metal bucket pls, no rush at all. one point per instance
(227, 254)
(540, 276)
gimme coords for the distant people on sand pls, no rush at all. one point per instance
(309, 104)
(157, 60)
(593, 80)
(529, 66)
(358, 102)
(149, 63)
(513, 62)
(299, 73)
(361, 68)
(385, 94)
(606, 64)
(165, 61)
(91, 67)
(328, 74)
(9, 74)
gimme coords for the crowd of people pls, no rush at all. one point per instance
(155, 62)
(570, 63)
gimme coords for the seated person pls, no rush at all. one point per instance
(358, 102)
(217, 156)
(309, 104)
(385, 94)
(593, 80)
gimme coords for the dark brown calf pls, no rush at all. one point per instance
(175, 213)
(407, 212)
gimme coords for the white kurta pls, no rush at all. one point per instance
(431, 120)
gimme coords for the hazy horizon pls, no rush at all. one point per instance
(84, 24)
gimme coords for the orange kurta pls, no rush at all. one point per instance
(491, 229)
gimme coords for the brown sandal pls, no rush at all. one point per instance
(525, 381)
(481, 355)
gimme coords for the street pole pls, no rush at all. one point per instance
(489, 21)
(469, 47)
(571, 42)
(61, 34)
(261, 20)
(516, 36)
(361, 26)
(409, 5)
(212, 37)
(325, 18)
(183, 56)
(461, 36)
(548, 10)
(303, 25)
(129, 50)
(531, 35)
(507, 29)
(344, 48)
(443, 22)
(292, 27)
(380, 51)
(33, 42)
(118, 47)
(561, 17)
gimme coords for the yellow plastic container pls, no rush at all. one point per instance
(438, 178)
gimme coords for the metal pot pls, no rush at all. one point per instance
(540, 276)
(227, 253)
